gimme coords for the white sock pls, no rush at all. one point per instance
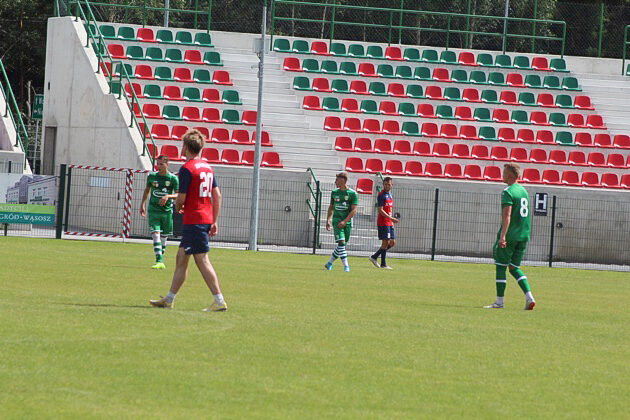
(529, 296)
(170, 297)
(345, 262)
(164, 238)
(332, 259)
(218, 299)
(500, 300)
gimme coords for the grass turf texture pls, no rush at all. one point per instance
(78, 338)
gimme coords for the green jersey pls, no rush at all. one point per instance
(161, 185)
(516, 196)
(342, 202)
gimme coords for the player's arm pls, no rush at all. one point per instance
(180, 199)
(385, 215)
(216, 208)
(143, 204)
(167, 197)
(329, 217)
(506, 218)
(353, 211)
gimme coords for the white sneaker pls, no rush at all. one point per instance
(494, 306)
(375, 263)
(529, 304)
(386, 267)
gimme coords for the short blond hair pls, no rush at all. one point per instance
(514, 168)
(194, 141)
(343, 175)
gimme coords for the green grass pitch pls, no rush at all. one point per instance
(78, 339)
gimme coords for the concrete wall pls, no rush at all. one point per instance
(91, 125)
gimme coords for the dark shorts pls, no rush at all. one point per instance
(195, 239)
(386, 232)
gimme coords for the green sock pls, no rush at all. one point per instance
(500, 280)
(521, 279)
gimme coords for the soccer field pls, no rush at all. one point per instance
(78, 338)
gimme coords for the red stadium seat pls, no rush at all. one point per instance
(433, 169)
(204, 131)
(441, 150)
(393, 53)
(249, 117)
(508, 97)
(449, 131)
(358, 87)
(137, 89)
(492, 173)
(577, 157)
(501, 115)
(590, 179)
(117, 51)
(583, 139)
(546, 100)
(265, 140)
(394, 167)
(354, 164)
(472, 172)
(397, 90)
(414, 168)
(498, 153)
(320, 84)
(538, 156)
(471, 95)
(270, 159)
(616, 160)
(430, 130)
(365, 185)
(479, 151)
(519, 154)
(142, 71)
(558, 157)
(367, 70)
(242, 137)
(312, 103)
(463, 113)
(460, 151)
(373, 166)
(351, 124)
(152, 150)
(221, 77)
(211, 155)
(178, 131)
(550, 176)
(319, 48)
(576, 120)
(152, 111)
(230, 157)
(583, 102)
(422, 148)
(247, 158)
(467, 58)
(172, 93)
(220, 135)
(545, 137)
(468, 132)
(382, 146)
(540, 63)
(350, 105)
(343, 144)
(387, 108)
(160, 132)
(625, 181)
(193, 57)
(191, 113)
(363, 144)
(610, 180)
(531, 176)
(145, 35)
(332, 123)
(211, 95)
(570, 178)
(622, 141)
(426, 111)
(453, 170)
(182, 74)
(434, 92)
(402, 147)
(596, 159)
(292, 64)
(602, 140)
(515, 80)
(441, 75)
(211, 115)
(538, 118)
(371, 125)
(171, 151)
(525, 135)
(506, 134)
(595, 121)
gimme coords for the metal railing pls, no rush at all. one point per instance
(399, 27)
(316, 196)
(95, 38)
(625, 49)
(12, 111)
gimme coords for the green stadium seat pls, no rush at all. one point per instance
(482, 114)
(329, 67)
(410, 128)
(191, 94)
(231, 97)
(404, 72)
(415, 91)
(212, 58)
(503, 61)
(300, 46)
(564, 101)
(422, 73)
(488, 134)
(203, 39)
(184, 38)
(171, 112)
(135, 52)
(489, 96)
(202, 76)
(152, 92)
(570, 83)
(116, 87)
(173, 55)
(153, 54)
(375, 51)
(557, 119)
(231, 116)
(349, 68)
(459, 76)
(356, 50)
(164, 36)
(338, 49)
(558, 64)
(551, 82)
(452, 94)
(527, 99)
(522, 62)
(107, 31)
(478, 77)
(281, 45)
(485, 60)
(411, 54)
(301, 83)
(385, 70)
(368, 106)
(330, 103)
(377, 89)
(444, 112)
(163, 73)
(496, 78)
(533, 81)
(519, 117)
(448, 57)
(407, 109)
(90, 29)
(564, 138)
(310, 65)
(340, 86)
(126, 33)
(119, 69)
(430, 56)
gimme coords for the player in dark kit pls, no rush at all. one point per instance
(200, 200)
(385, 224)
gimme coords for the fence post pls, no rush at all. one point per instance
(601, 28)
(209, 14)
(196, 11)
(60, 199)
(316, 219)
(435, 216)
(553, 227)
(67, 204)
(448, 30)
(400, 21)
(332, 20)
(468, 24)
(389, 33)
(534, 25)
(625, 44)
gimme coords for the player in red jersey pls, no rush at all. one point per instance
(385, 224)
(199, 199)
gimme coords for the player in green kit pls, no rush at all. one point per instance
(342, 208)
(512, 237)
(162, 188)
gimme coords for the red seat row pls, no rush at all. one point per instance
(174, 93)
(194, 114)
(182, 74)
(227, 156)
(219, 135)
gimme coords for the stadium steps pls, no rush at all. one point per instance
(610, 94)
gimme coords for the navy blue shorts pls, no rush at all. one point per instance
(195, 239)
(386, 232)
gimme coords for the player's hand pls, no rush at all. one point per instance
(394, 220)
(143, 211)
(163, 200)
(328, 225)
(214, 229)
(181, 211)
(502, 243)
(341, 224)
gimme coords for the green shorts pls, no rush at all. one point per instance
(161, 222)
(512, 254)
(341, 234)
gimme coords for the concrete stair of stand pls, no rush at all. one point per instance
(610, 96)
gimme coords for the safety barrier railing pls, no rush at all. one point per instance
(625, 49)
(12, 111)
(315, 208)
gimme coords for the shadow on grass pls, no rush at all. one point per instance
(105, 305)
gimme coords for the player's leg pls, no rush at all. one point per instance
(343, 254)
(521, 278)
(212, 280)
(155, 226)
(501, 259)
(390, 243)
(179, 276)
(382, 235)
(167, 230)
(339, 237)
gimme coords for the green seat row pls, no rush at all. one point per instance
(191, 94)
(165, 36)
